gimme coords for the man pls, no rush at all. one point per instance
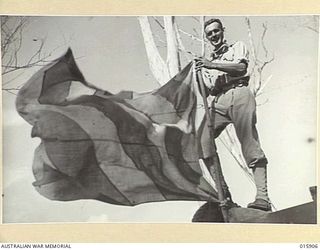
(234, 103)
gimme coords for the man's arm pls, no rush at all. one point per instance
(231, 68)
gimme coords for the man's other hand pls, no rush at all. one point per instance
(203, 63)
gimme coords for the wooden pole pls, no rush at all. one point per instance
(211, 120)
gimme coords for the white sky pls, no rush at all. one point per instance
(111, 55)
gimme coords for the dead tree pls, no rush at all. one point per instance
(14, 65)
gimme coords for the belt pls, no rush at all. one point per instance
(227, 83)
(232, 86)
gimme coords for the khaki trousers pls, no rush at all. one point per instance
(236, 106)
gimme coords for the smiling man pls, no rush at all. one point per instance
(226, 78)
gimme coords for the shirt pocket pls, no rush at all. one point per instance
(229, 55)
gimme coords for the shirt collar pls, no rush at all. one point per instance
(221, 50)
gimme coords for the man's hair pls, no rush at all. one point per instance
(213, 20)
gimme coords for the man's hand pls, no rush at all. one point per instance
(203, 63)
(231, 68)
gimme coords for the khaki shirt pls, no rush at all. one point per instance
(236, 53)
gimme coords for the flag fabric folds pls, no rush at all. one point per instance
(126, 149)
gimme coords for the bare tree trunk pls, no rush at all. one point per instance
(173, 60)
(157, 65)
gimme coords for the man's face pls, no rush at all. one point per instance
(214, 34)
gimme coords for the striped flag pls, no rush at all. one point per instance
(125, 149)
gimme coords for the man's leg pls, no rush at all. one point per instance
(262, 200)
(243, 115)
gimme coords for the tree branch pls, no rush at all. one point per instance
(180, 43)
(158, 22)
(12, 39)
(157, 65)
(262, 39)
(258, 64)
(313, 29)
(173, 59)
(253, 50)
(193, 37)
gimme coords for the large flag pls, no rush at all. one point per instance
(123, 149)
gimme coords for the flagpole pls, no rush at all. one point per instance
(211, 121)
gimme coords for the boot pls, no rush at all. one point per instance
(260, 204)
(262, 200)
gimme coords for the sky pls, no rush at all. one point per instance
(110, 53)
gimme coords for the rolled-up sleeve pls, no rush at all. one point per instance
(241, 53)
